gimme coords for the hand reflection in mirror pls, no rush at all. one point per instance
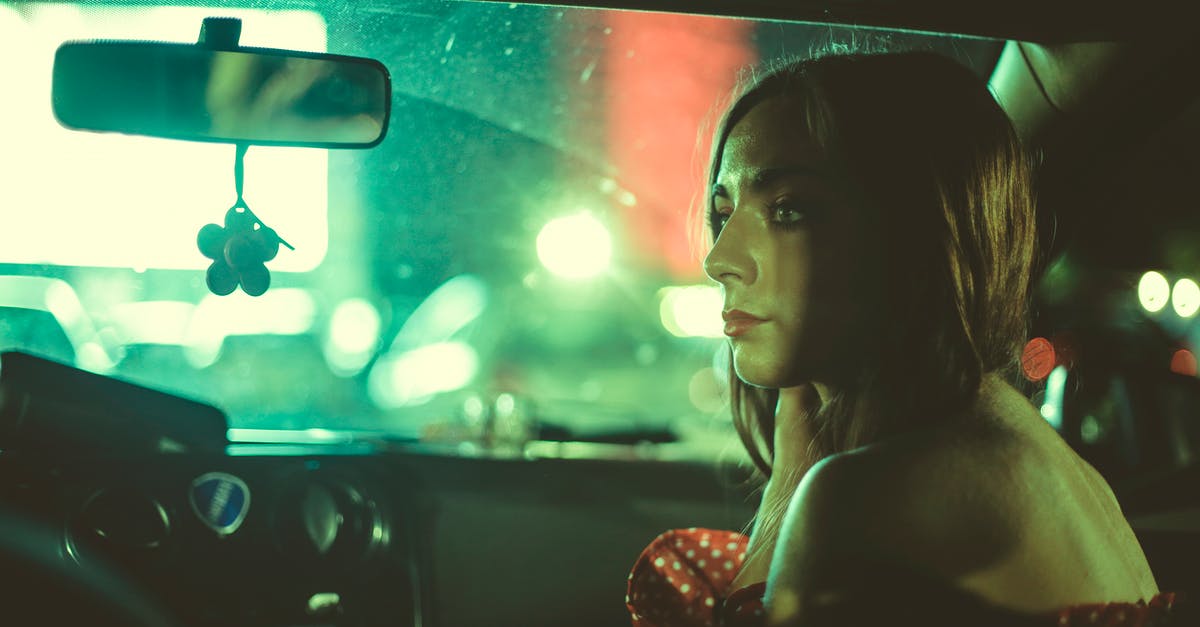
(278, 98)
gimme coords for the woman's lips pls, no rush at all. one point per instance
(736, 328)
(738, 322)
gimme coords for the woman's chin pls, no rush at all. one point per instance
(765, 375)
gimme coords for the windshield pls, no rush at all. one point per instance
(524, 242)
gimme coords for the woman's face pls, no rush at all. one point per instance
(790, 245)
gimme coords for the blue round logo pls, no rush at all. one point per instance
(220, 500)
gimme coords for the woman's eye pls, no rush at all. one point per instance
(718, 219)
(787, 214)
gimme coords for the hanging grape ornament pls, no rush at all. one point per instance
(240, 249)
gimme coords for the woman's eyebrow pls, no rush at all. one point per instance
(766, 176)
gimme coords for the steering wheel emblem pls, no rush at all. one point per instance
(221, 501)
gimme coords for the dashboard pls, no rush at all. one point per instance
(349, 534)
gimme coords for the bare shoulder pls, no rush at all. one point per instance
(951, 503)
(1000, 507)
(938, 507)
(881, 509)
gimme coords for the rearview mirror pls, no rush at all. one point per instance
(255, 96)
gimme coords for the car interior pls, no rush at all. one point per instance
(392, 312)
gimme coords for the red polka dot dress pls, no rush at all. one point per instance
(683, 580)
(684, 576)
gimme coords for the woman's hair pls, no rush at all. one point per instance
(946, 189)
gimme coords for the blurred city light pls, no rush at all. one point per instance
(505, 404)
(1065, 348)
(1038, 359)
(452, 306)
(133, 201)
(1090, 430)
(1052, 403)
(1186, 298)
(92, 357)
(1154, 291)
(152, 321)
(692, 311)
(353, 335)
(59, 299)
(423, 360)
(281, 311)
(575, 247)
(1184, 362)
(354, 326)
(413, 377)
(721, 364)
(63, 302)
(705, 391)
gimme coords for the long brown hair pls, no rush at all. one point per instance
(939, 170)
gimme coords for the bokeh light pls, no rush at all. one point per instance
(152, 321)
(353, 335)
(354, 326)
(414, 377)
(1186, 298)
(1184, 362)
(59, 299)
(1038, 359)
(1052, 403)
(1090, 430)
(281, 311)
(705, 392)
(575, 247)
(1154, 291)
(692, 311)
(448, 310)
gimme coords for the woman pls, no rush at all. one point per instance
(873, 229)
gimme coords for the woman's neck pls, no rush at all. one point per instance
(793, 424)
(793, 457)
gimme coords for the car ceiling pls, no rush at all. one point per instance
(1028, 20)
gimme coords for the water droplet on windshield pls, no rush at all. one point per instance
(586, 75)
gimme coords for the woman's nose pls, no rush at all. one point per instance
(728, 260)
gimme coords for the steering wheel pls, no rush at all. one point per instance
(42, 585)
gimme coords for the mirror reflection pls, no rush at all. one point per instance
(253, 96)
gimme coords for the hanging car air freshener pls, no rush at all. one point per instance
(241, 248)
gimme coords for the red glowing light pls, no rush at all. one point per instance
(1038, 359)
(664, 75)
(1065, 349)
(1184, 362)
